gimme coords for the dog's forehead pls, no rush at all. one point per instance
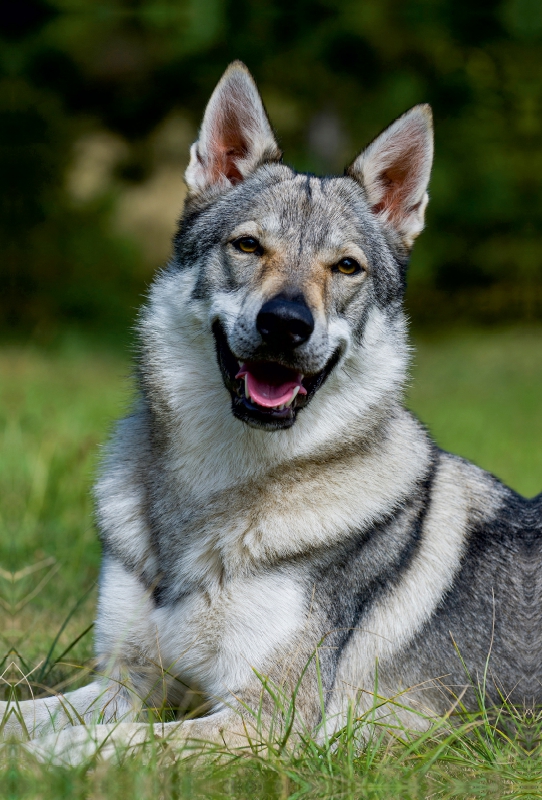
(321, 211)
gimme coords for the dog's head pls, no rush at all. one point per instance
(287, 265)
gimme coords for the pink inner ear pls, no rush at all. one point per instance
(228, 146)
(399, 182)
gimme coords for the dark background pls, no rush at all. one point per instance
(99, 102)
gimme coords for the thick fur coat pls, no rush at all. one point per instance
(322, 541)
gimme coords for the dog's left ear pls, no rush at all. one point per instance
(395, 170)
(235, 135)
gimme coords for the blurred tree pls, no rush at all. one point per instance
(332, 72)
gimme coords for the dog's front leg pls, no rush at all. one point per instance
(259, 717)
(226, 731)
(97, 702)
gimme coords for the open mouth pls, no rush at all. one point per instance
(265, 393)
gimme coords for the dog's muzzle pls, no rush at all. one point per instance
(266, 392)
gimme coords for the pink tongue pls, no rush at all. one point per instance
(267, 394)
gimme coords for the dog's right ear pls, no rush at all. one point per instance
(235, 135)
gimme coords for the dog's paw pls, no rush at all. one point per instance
(80, 744)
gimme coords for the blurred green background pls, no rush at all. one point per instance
(100, 100)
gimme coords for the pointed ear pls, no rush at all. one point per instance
(395, 169)
(235, 135)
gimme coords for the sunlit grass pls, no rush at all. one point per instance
(481, 395)
(55, 410)
(468, 755)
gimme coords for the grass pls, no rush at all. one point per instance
(480, 394)
(469, 761)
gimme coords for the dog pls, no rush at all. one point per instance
(270, 513)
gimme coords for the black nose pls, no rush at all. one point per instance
(285, 323)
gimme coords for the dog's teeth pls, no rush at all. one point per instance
(247, 393)
(292, 398)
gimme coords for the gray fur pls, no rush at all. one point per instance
(236, 544)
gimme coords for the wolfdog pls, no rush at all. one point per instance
(270, 512)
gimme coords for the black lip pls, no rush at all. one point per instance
(256, 416)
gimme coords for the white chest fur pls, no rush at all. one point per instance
(212, 640)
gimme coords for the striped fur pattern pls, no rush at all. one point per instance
(240, 539)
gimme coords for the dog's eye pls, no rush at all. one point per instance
(347, 266)
(246, 244)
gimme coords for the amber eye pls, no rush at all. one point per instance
(247, 245)
(347, 266)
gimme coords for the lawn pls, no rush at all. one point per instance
(479, 392)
